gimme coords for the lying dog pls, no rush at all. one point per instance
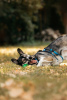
(53, 54)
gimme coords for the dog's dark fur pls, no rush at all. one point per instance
(59, 45)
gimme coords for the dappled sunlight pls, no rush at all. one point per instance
(7, 51)
(11, 51)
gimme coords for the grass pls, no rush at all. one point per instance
(47, 83)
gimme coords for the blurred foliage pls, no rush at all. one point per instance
(16, 19)
(21, 20)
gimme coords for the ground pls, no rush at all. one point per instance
(30, 83)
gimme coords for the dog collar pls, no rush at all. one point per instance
(37, 60)
(53, 53)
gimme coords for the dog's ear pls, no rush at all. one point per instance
(14, 61)
(20, 51)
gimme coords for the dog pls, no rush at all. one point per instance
(53, 54)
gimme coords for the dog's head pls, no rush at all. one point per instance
(24, 58)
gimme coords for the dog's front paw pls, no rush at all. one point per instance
(39, 64)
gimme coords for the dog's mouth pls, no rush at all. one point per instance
(33, 62)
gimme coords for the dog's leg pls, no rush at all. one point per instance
(45, 61)
(40, 62)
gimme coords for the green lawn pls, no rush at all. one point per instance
(30, 83)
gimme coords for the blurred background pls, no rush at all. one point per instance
(31, 20)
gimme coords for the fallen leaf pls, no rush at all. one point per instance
(15, 92)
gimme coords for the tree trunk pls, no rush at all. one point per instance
(65, 21)
(64, 13)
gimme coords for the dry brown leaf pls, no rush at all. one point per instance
(15, 92)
